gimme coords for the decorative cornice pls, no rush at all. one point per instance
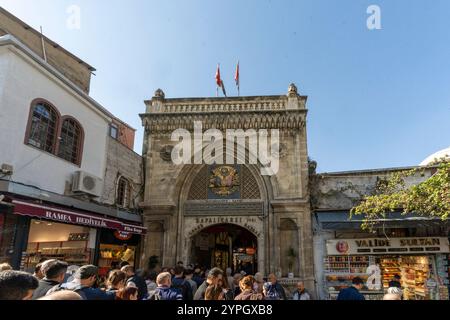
(292, 120)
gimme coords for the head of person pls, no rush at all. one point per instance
(214, 293)
(54, 270)
(152, 276)
(358, 283)
(172, 271)
(396, 277)
(17, 285)
(214, 275)
(228, 271)
(391, 296)
(180, 263)
(236, 278)
(164, 279)
(259, 277)
(395, 290)
(116, 279)
(62, 295)
(164, 269)
(87, 275)
(129, 270)
(128, 293)
(188, 273)
(178, 271)
(300, 286)
(247, 283)
(5, 267)
(38, 271)
(197, 270)
(272, 278)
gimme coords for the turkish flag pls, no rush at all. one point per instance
(218, 80)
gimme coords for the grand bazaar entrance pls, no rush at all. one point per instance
(226, 246)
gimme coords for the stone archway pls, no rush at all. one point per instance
(198, 211)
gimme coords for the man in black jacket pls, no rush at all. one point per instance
(54, 272)
(277, 288)
(134, 280)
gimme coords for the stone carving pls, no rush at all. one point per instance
(292, 120)
(224, 181)
(282, 150)
(159, 94)
(292, 91)
(166, 153)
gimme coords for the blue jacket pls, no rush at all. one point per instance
(167, 293)
(86, 293)
(350, 293)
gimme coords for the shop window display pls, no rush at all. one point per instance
(422, 277)
(48, 240)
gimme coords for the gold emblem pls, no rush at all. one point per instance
(224, 181)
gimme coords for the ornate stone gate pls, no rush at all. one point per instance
(181, 200)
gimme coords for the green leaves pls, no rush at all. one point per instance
(429, 198)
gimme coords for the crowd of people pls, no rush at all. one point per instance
(51, 281)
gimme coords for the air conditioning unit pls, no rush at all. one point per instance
(86, 183)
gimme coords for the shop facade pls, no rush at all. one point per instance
(416, 250)
(46, 231)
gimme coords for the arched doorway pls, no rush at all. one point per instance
(226, 246)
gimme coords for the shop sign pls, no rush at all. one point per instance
(122, 235)
(72, 217)
(387, 246)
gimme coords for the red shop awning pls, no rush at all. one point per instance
(73, 217)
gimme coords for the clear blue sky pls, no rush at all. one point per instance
(377, 98)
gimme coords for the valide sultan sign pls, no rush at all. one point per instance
(385, 246)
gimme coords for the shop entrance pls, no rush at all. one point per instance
(226, 246)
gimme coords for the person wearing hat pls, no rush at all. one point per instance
(83, 284)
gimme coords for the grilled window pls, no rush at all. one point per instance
(70, 141)
(43, 127)
(123, 193)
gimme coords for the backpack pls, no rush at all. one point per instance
(155, 295)
(183, 288)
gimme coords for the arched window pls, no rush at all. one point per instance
(123, 193)
(43, 126)
(70, 140)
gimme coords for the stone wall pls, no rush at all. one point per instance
(121, 161)
(343, 190)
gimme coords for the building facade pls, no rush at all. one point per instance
(412, 246)
(229, 215)
(70, 182)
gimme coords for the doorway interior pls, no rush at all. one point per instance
(226, 246)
